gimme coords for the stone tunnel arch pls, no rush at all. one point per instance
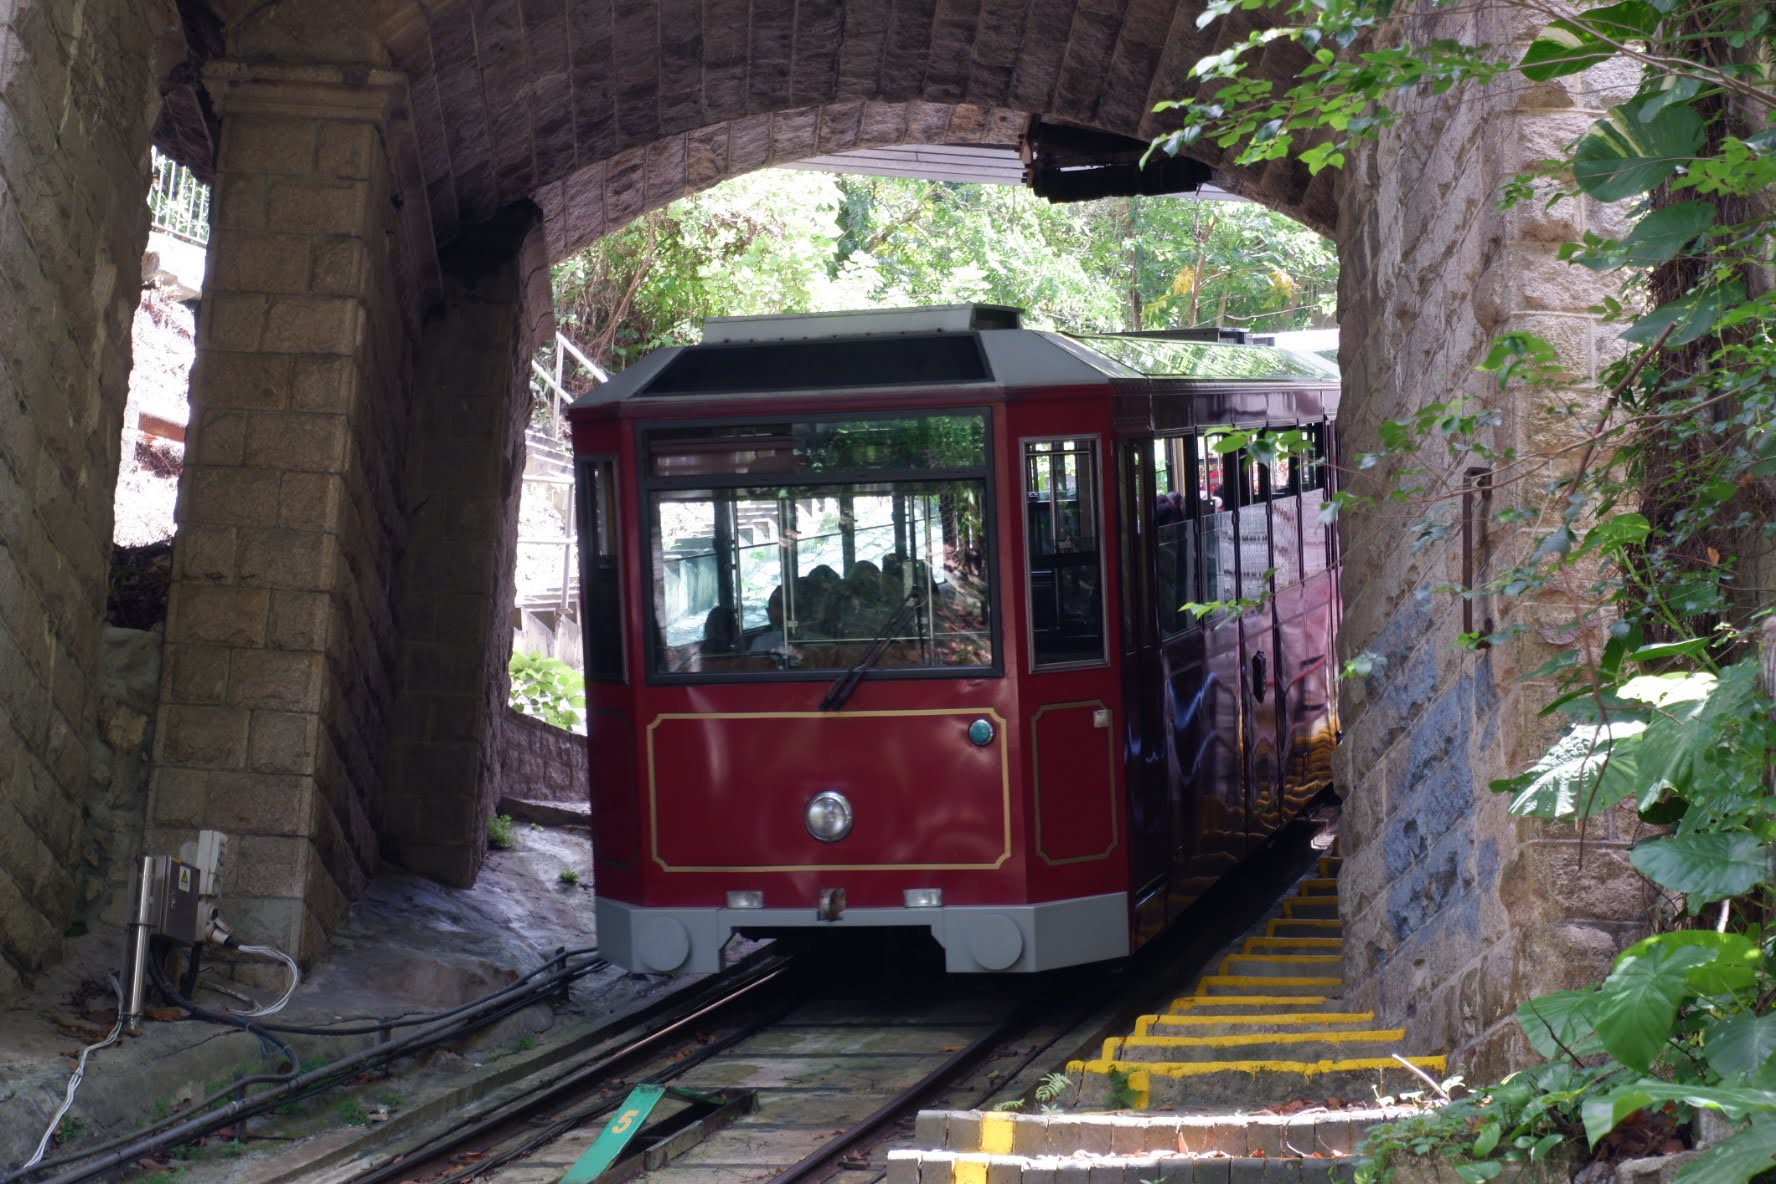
(379, 277)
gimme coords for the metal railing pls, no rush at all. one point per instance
(557, 395)
(178, 203)
(554, 391)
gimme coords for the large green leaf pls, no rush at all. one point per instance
(1741, 1046)
(1602, 1112)
(1663, 233)
(1689, 316)
(1624, 154)
(1562, 48)
(1731, 967)
(1561, 1023)
(1735, 1160)
(1704, 866)
(1568, 46)
(1588, 770)
(1639, 1000)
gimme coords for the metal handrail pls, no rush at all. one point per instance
(559, 395)
(178, 203)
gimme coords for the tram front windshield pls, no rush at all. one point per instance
(872, 549)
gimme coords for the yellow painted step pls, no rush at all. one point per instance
(1242, 984)
(1287, 945)
(1188, 1024)
(1227, 1005)
(1311, 1043)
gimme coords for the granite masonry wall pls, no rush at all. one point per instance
(78, 99)
(541, 762)
(472, 401)
(281, 635)
(1454, 910)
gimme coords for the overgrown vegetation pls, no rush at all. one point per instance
(501, 833)
(1652, 522)
(783, 241)
(548, 689)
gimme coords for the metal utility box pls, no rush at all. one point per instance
(172, 898)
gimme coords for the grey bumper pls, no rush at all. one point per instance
(975, 938)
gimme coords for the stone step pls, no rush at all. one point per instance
(1312, 1044)
(1319, 886)
(1269, 965)
(1305, 927)
(1293, 945)
(1004, 1133)
(1244, 984)
(1234, 1005)
(949, 1167)
(1331, 865)
(1191, 1024)
(1322, 907)
(1203, 1085)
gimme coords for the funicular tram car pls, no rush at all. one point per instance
(884, 627)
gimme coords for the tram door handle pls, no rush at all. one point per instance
(1258, 682)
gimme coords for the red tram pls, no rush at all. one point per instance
(884, 627)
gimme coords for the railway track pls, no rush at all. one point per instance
(807, 1075)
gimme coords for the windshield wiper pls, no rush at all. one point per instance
(847, 682)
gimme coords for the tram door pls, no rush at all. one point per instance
(1153, 823)
(1071, 704)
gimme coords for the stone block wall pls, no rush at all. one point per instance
(78, 99)
(542, 763)
(281, 627)
(1454, 910)
(472, 401)
(117, 795)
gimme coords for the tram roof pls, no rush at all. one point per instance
(951, 345)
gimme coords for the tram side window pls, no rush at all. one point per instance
(1066, 574)
(1311, 469)
(602, 630)
(1177, 544)
(1217, 489)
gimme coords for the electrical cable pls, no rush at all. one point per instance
(74, 1080)
(295, 978)
(218, 1110)
(379, 1027)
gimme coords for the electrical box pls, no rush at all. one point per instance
(172, 898)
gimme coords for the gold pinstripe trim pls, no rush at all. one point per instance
(1004, 794)
(1036, 779)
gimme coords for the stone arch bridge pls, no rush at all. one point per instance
(393, 178)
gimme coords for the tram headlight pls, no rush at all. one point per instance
(746, 899)
(829, 816)
(924, 898)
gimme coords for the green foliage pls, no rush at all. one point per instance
(351, 1112)
(72, 1128)
(1052, 1086)
(568, 876)
(1122, 1094)
(548, 689)
(1492, 1132)
(501, 833)
(786, 241)
(1643, 529)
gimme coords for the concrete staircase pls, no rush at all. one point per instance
(1264, 1030)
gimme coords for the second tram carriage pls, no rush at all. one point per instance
(884, 626)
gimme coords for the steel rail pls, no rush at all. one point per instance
(403, 1165)
(897, 1106)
